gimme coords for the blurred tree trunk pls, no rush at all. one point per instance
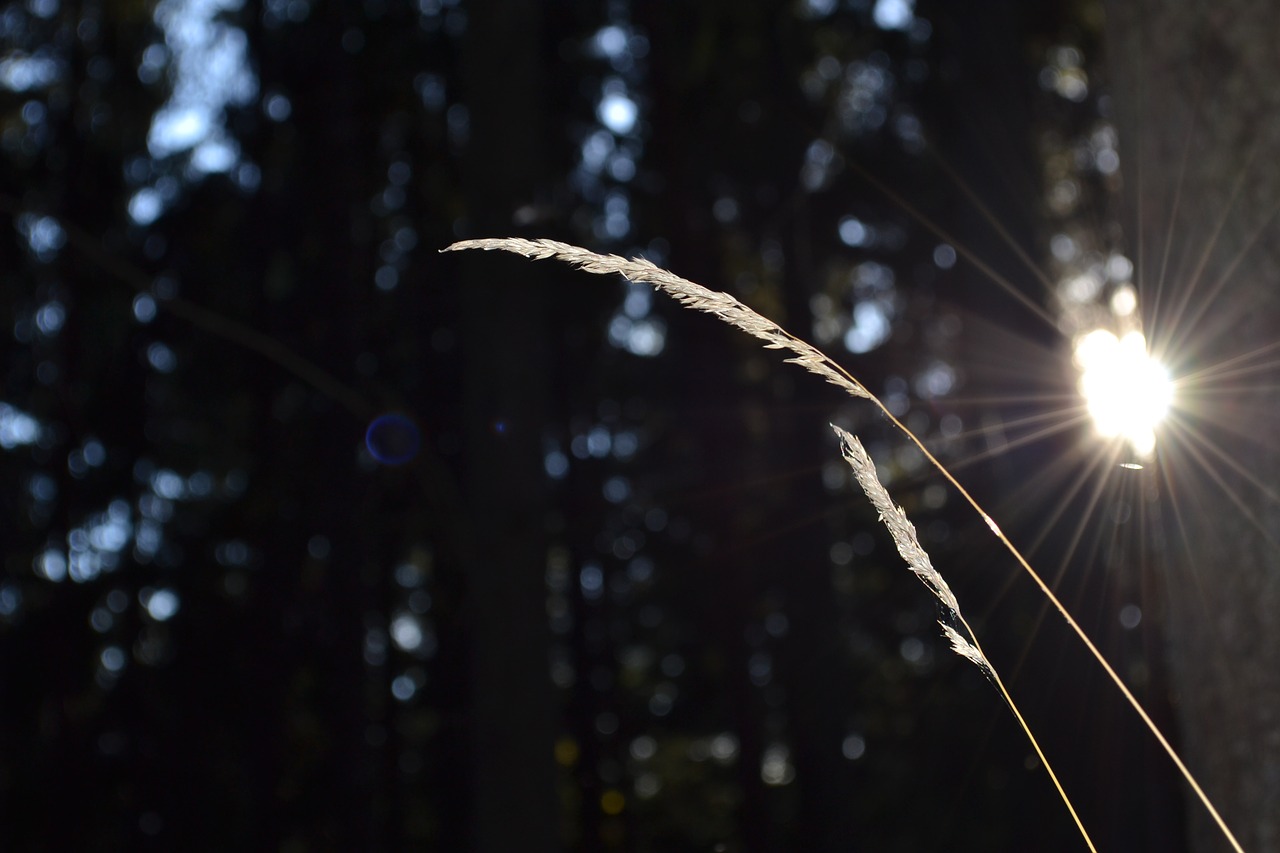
(504, 312)
(1199, 119)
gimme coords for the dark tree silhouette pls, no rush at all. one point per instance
(1198, 120)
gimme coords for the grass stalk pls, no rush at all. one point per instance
(735, 313)
(917, 559)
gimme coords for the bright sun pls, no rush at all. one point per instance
(1127, 391)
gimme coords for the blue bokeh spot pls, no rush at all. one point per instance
(393, 439)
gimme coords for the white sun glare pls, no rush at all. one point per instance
(1127, 391)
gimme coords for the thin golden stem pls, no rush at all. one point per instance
(917, 559)
(731, 311)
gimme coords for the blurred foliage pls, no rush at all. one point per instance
(226, 623)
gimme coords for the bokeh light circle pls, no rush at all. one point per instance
(393, 439)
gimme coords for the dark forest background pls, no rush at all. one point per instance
(315, 538)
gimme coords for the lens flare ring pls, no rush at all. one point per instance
(393, 439)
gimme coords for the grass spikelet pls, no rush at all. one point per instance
(917, 559)
(894, 518)
(688, 293)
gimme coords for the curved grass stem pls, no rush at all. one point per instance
(734, 312)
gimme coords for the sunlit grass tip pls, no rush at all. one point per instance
(688, 293)
(907, 542)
